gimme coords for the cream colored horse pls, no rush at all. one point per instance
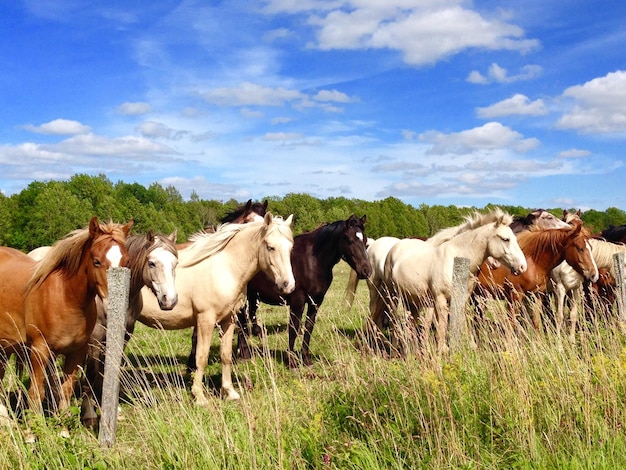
(420, 273)
(211, 279)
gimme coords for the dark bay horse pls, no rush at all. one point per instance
(544, 250)
(152, 262)
(48, 308)
(313, 257)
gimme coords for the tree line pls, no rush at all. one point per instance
(45, 211)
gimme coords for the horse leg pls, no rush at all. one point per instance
(226, 354)
(40, 355)
(92, 385)
(243, 348)
(253, 306)
(191, 359)
(575, 304)
(309, 324)
(295, 317)
(205, 326)
(560, 309)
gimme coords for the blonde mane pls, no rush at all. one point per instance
(66, 254)
(472, 221)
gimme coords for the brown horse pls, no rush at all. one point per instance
(49, 307)
(544, 250)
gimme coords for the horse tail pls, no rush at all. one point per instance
(353, 281)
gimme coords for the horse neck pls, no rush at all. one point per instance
(473, 245)
(551, 253)
(326, 245)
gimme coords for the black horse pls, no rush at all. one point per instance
(313, 257)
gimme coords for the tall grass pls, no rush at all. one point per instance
(526, 401)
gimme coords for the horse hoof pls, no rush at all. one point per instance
(230, 395)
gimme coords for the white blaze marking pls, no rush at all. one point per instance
(114, 255)
(359, 235)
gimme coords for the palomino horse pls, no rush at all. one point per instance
(565, 280)
(49, 306)
(419, 273)
(544, 250)
(152, 262)
(314, 255)
(211, 280)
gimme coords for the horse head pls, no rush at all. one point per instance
(503, 247)
(353, 246)
(159, 268)
(275, 252)
(106, 250)
(578, 252)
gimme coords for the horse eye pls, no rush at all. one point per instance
(270, 248)
(506, 240)
(97, 263)
(151, 264)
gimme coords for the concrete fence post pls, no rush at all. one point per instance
(117, 305)
(460, 280)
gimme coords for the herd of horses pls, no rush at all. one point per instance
(53, 301)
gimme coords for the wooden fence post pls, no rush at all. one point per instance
(460, 279)
(119, 287)
(618, 263)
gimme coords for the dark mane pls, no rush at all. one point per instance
(247, 208)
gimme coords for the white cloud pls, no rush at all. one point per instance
(123, 147)
(134, 108)
(332, 95)
(574, 153)
(599, 105)
(516, 105)
(251, 94)
(424, 32)
(59, 127)
(500, 75)
(490, 136)
(282, 136)
(159, 130)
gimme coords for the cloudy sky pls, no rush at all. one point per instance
(430, 101)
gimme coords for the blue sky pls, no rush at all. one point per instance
(430, 101)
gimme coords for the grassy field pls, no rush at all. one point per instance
(514, 402)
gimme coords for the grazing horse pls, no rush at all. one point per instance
(565, 280)
(419, 274)
(152, 262)
(544, 250)
(211, 279)
(49, 306)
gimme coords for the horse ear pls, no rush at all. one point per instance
(267, 219)
(94, 226)
(289, 219)
(363, 219)
(265, 203)
(578, 213)
(129, 225)
(172, 236)
(150, 236)
(248, 205)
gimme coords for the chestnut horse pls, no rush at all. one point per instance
(49, 308)
(544, 250)
(211, 280)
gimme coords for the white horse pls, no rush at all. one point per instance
(564, 281)
(420, 273)
(211, 279)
